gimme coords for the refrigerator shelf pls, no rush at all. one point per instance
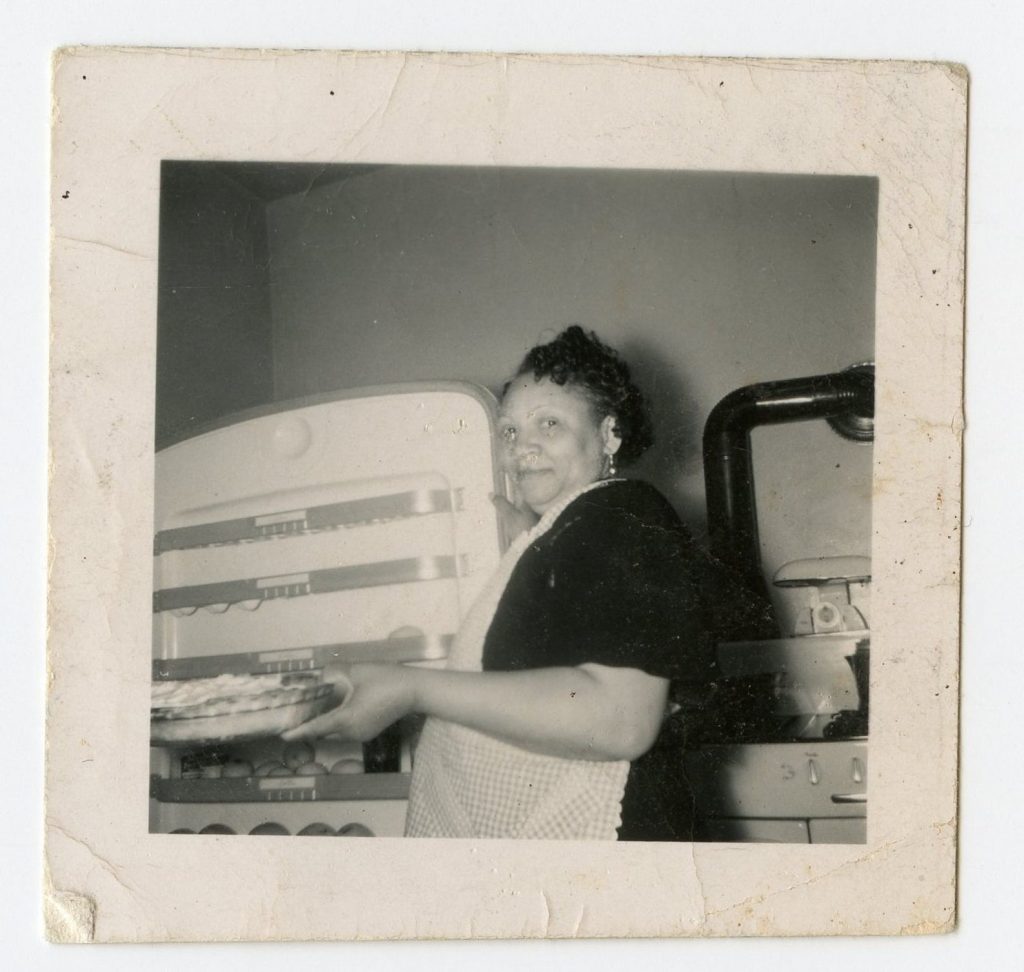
(222, 594)
(285, 789)
(374, 509)
(412, 649)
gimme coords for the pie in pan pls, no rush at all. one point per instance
(229, 708)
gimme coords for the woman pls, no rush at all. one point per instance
(550, 719)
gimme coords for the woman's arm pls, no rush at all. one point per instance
(590, 712)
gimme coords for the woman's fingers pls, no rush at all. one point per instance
(329, 722)
(372, 697)
(338, 676)
(513, 520)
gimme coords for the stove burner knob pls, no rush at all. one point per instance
(858, 770)
(812, 772)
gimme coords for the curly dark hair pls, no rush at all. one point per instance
(581, 359)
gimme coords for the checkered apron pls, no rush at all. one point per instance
(468, 784)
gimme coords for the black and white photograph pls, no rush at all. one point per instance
(546, 467)
(512, 502)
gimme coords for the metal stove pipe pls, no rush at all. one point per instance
(845, 398)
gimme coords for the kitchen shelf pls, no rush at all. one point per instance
(282, 789)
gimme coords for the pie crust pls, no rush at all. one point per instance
(234, 707)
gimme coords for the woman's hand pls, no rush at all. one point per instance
(375, 697)
(512, 519)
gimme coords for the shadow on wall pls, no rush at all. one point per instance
(674, 462)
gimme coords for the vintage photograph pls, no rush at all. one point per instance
(547, 467)
(512, 502)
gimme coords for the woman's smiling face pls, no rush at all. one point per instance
(553, 445)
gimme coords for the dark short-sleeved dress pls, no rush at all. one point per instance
(619, 581)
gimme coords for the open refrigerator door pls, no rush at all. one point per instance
(352, 528)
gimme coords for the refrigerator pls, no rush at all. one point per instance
(351, 527)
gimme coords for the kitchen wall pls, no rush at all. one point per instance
(706, 282)
(214, 347)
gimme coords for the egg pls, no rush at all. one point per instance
(266, 769)
(269, 830)
(344, 766)
(216, 829)
(316, 830)
(311, 769)
(280, 771)
(355, 830)
(185, 830)
(296, 754)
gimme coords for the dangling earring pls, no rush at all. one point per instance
(609, 465)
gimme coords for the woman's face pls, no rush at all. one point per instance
(552, 444)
